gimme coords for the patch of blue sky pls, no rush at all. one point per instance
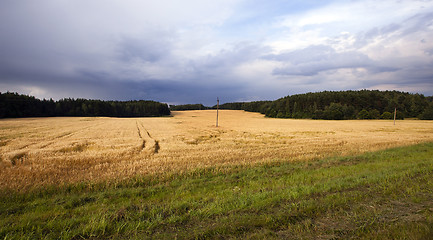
(255, 19)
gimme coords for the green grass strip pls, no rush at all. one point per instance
(380, 195)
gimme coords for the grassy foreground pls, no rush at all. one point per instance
(383, 195)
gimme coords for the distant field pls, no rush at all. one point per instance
(49, 151)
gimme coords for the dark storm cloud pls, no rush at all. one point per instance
(145, 48)
(223, 62)
(64, 56)
(94, 85)
(195, 51)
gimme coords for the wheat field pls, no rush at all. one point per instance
(37, 152)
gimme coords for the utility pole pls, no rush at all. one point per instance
(218, 105)
(395, 114)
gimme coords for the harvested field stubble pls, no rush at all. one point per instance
(44, 151)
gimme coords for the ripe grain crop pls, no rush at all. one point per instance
(37, 152)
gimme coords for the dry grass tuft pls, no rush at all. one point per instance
(3, 143)
(18, 158)
(65, 150)
(74, 148)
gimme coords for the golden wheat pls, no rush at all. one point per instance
(44, 151)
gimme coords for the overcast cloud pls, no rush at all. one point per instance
(193, 51)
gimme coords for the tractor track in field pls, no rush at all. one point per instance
(149, 145)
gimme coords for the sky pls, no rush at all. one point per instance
(193, 51)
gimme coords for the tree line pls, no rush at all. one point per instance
(339, 105)
(256, 106)
(14, 105)
(186, 107)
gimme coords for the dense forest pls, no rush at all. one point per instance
(13, 105)
(338, 105)
(364, 104)
(188, 107)
(257, 106)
